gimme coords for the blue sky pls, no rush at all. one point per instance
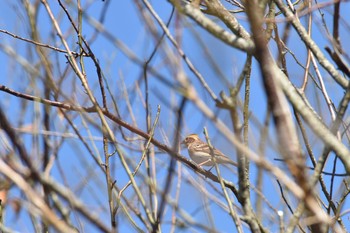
(124, 22)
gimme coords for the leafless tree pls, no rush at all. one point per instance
(97, 95)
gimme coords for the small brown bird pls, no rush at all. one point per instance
(199, 152)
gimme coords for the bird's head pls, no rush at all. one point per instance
(190, 139)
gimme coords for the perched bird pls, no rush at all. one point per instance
(199, 152)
